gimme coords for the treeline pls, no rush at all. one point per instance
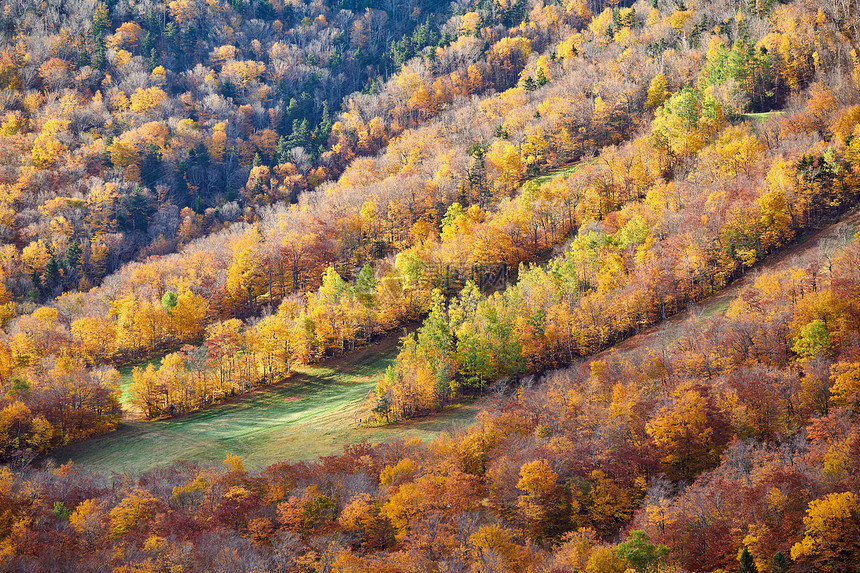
(341, 237)
(762, 398)
(235, 356)
(754, 411)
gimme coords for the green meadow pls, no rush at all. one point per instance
(312, 413)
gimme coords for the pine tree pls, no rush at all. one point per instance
(779, 563)
(52, 272)
(101, 21)
(100, 55)
(171, 37)
(100, 26)
(282, 151)
(150, 166)
(301, 134)
(541, 78)
(73, 254)
(148, 43)
(323, 130)
(84, 57)
(746, 563)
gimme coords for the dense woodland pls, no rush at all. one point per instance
(247, 186)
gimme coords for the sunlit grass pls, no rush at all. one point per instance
(313, 413)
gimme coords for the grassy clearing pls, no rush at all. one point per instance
(761, 116)
(310, 414)
(125, 380)
(564, 172)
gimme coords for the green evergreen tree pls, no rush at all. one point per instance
(84, 57)
(100, 27)
(282, 151)
(100, 56)
(746, 563)
(138, 210)
(148, 43)
(529, 84)
(171, 37)
(52, 272)
(265, 10)
(73, 254)
(150, 166)
(779, 563)
(323, 130)
(301, 135)
(101, 21)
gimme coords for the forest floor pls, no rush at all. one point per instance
(311, 413)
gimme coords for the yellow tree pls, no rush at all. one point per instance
(245, 279)
(687, 122)
(146, 393)
(832, 534)
(544, 504)
(140, 324)
(690, 434)
(176, 384)
(604, 560)
(362, 516)
(144, 100)
(781, 206)
(846, 383)
(48, 146)
(36, 256)
(224, 343)
(508, 166)
(95, 337)
(275, 339)
(188, 316)
(658, 91)
(88, 521)
(735, 150)
(135, 508)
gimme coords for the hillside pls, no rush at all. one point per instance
(234, 202)
(808, 250)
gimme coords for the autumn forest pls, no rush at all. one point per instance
(626, 232)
